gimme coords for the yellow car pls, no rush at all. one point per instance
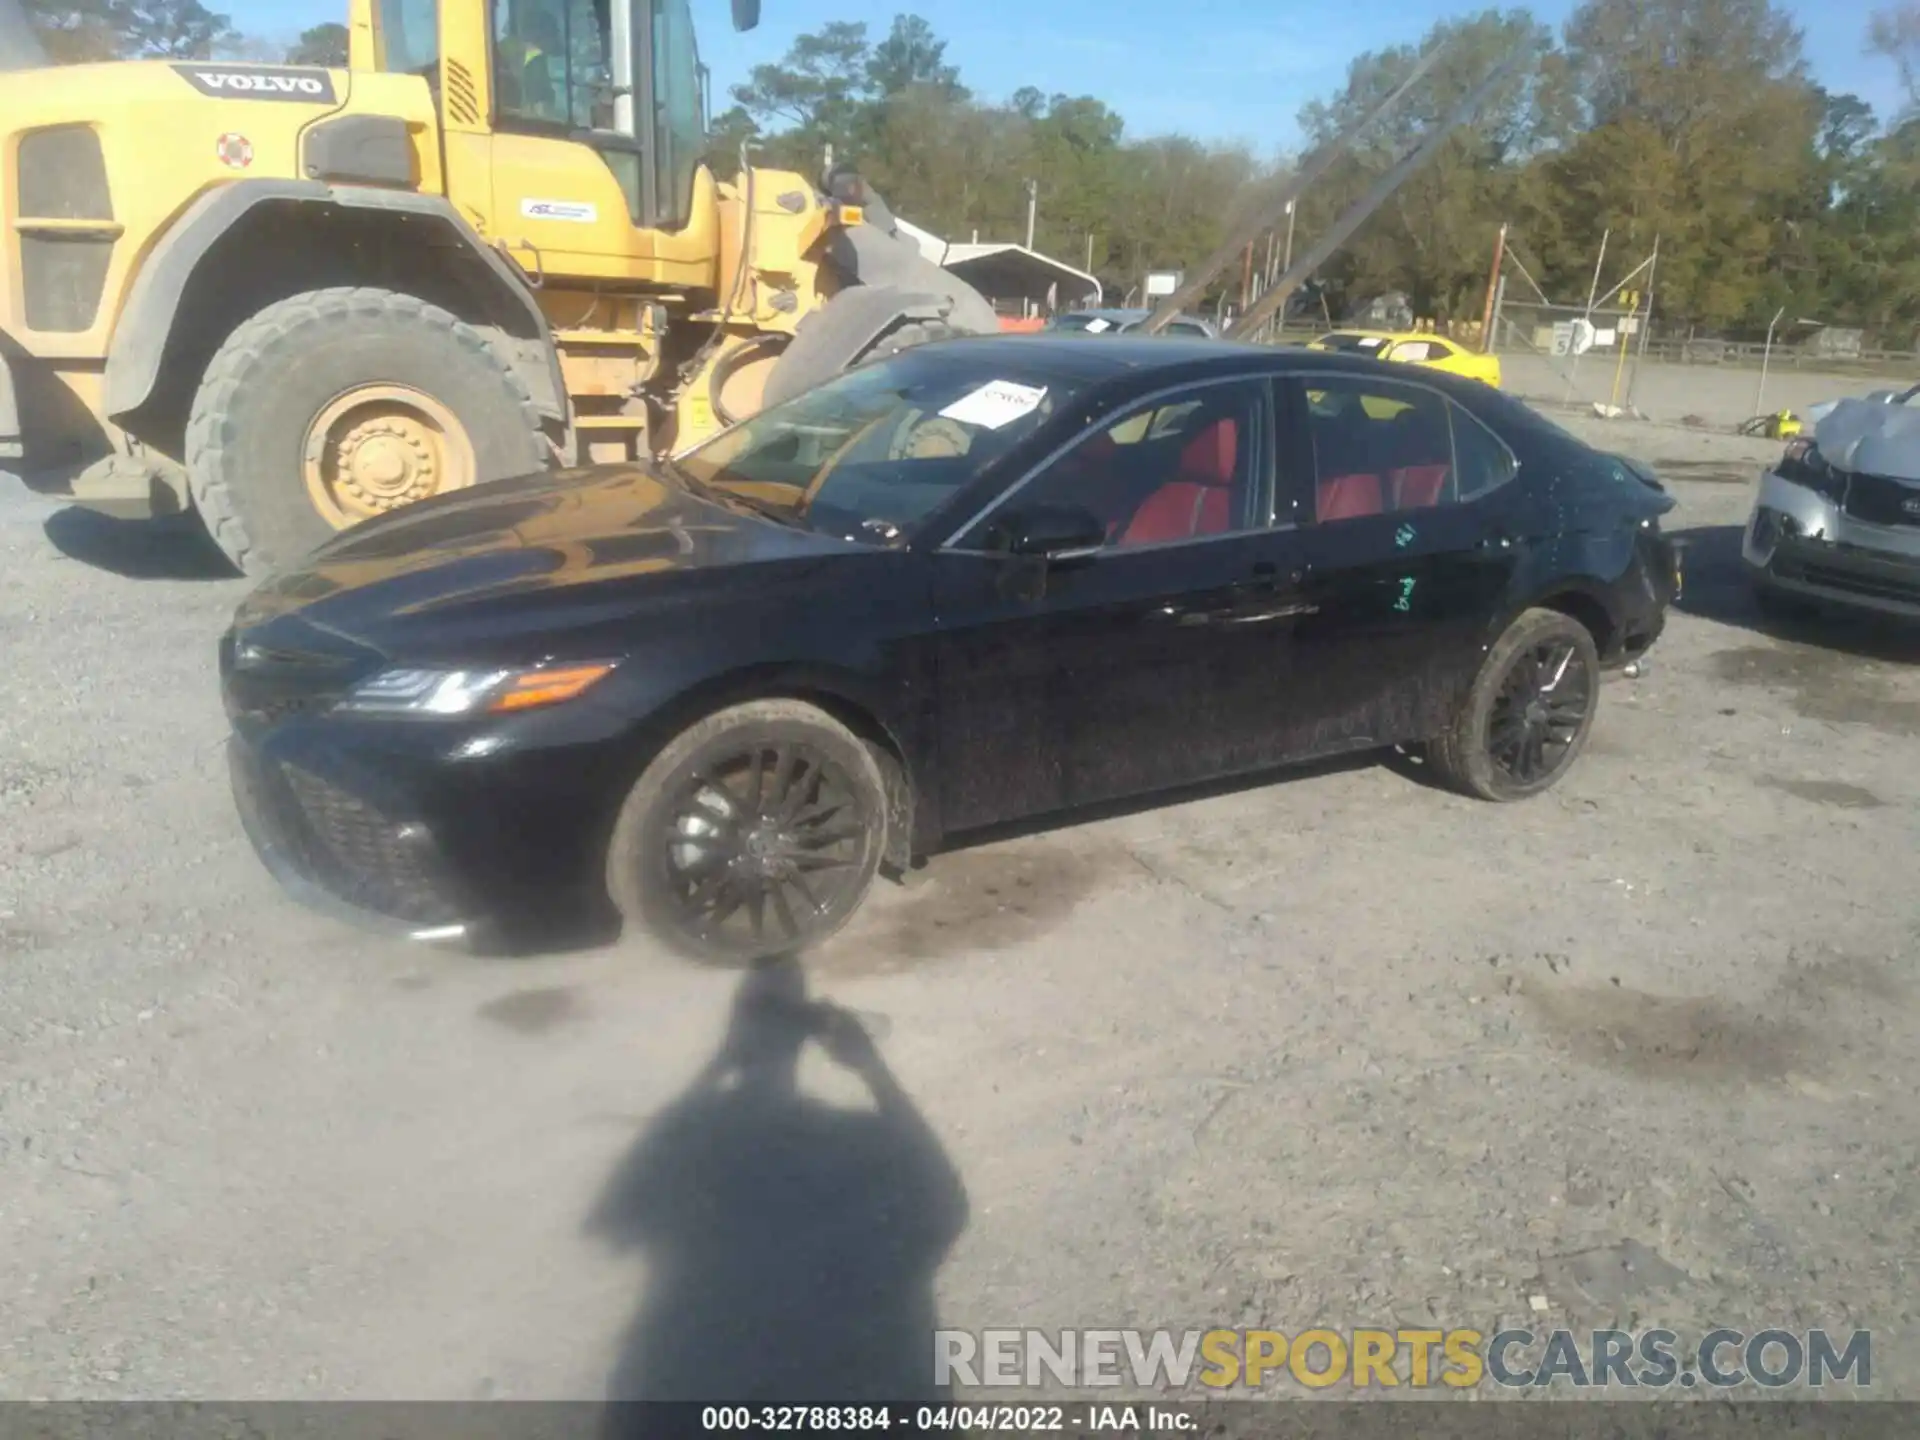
(1436, 352)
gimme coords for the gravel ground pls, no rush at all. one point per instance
(1340, 1049)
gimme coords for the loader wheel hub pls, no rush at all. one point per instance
(379, 447)
(387, 462)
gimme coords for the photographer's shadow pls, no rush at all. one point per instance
(790, 1244)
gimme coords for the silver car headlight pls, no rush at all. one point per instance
(409, 690)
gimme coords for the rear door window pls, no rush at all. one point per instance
(1381, 448)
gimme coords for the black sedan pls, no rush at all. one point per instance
(981, 580)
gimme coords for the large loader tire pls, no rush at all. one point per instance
(337, 405)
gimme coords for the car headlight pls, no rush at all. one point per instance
(1805, 466)
(406, 690)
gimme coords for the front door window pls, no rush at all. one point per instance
(679, 131)
(1185, 467)
(552, 64)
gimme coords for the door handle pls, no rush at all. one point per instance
(1267, 576)
(1182, 616)
(1265, 617)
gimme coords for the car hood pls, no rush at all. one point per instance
(1871, 436)
(604, 541)
(1816, 413)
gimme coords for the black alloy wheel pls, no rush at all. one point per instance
(1538, 712)
(1529, 713)
(757, 832)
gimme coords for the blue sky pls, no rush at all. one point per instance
(1242, 73)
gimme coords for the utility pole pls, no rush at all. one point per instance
(1287, 264)
(1033, 201)
(1766, 357)
(1646, 325)
(1493, 283)
(1266, 279)
(1593, 293)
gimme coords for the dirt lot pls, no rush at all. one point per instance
(1721, 395)
(1337, 1049)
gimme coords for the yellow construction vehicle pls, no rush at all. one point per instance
(291, 298)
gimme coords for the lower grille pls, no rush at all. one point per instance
(385, 865)
(1878, 587)
(347, 847)
(1880, 500)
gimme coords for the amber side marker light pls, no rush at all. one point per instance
(533, 688)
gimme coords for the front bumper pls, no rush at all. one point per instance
(1802, 543)
(341, 855)
(416, 831)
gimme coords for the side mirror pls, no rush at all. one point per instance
(746, 14)
(1054, 533)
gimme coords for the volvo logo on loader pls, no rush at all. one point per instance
(308, 87)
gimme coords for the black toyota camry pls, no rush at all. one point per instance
(980, 581)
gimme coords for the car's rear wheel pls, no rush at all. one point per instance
(1528, 715)
(755, 832)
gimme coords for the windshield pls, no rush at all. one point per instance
(1345, 340)
(870, 454)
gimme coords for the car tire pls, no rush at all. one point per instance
(699, 837)
(1476, 755)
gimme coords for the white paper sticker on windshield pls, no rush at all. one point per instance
(997, 403)
(1094, 327)
(1370, 342)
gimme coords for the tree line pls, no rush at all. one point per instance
(1695, 122)
(81, 31)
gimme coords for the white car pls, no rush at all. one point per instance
(1817, 413)
(1837, 520)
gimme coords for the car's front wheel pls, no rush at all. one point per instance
(755, 832)
(1528, 715)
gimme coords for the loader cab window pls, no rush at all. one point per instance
(551, 64)
(679, 128)
(409, 37)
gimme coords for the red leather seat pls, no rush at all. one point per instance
(1418, 487)
(1348, 497)
(1200, 500)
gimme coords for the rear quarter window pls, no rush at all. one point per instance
(1485, 463)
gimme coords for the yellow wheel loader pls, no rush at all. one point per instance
(291, 298)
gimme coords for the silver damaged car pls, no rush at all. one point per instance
(1837, 521)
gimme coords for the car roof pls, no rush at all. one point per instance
(1171, 359)
(1076, 354)
(1125, 315)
